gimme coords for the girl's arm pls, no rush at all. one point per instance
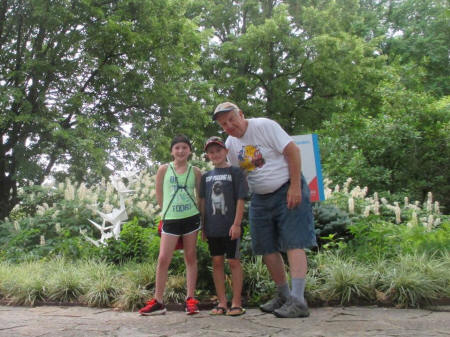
(159, 184)
(198, 178)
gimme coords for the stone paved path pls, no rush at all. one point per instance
(53, 321)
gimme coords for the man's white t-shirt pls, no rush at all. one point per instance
(260, 153)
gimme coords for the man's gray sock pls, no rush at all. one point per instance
(298, 289)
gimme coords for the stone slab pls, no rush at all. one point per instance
(73, 321)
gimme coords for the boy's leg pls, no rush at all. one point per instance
(219, 279)
(190, 259)
(237, 278)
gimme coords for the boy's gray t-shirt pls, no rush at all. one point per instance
(222, 188)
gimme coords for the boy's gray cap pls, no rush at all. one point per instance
(224, 107)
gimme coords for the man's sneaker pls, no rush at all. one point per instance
(274, 303)
(191, 306)
(153, 307)
(292, 309)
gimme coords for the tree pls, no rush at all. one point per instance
(420, 37)
(74, 73)
(403, 149)
(272, 61)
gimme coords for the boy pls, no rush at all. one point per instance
(222, 193)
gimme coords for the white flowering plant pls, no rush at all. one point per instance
(54, 219)
(382, 226)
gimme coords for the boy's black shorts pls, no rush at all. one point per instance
(224, 246)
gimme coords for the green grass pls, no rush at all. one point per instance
(131, 297)
(103, 284)
(66, 283)
(409, 280)
(175, 291)
(140, 274)
(343, 280)
(24, 284)
(415, 280)
(258, 285)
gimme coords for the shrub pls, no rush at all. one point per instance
(66, 285)
(374, 239)
(258, 286)
(49, 220)
(134, 244)
(24, 284)
(131, 296)
(331, 223)
(175, 291)
(140, 274)
(344, 281)
(204, 279)
(407, 281)
(102, 284)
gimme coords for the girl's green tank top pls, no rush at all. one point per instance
(182, 205)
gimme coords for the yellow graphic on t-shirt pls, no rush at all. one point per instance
(250, 157)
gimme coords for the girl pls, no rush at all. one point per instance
(175, 185)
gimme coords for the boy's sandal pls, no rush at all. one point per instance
(218, 311)
(236, 311)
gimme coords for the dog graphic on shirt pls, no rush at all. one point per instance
(218, 199)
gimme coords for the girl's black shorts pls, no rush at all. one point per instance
(180, 227)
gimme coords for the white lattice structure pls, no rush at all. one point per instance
(112, 222)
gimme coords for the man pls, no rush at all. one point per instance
(280, 211)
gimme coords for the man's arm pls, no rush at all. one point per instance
(292, 154)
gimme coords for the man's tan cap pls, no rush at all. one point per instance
(224, 107)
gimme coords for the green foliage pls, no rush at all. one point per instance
(175, 288)
(373, 150)
(141, 274)
(420, 38)
(415, 280)
(204, 278)
(24, 285)
(419, 240)
(273, 62)
(331, 224)
(88, 69)
(103, 284)
(133, 244)
(344, 280)
(406, 280)
(132, 297)
(258, 284)
(66, 284)
(374, 239)
(38, 230)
